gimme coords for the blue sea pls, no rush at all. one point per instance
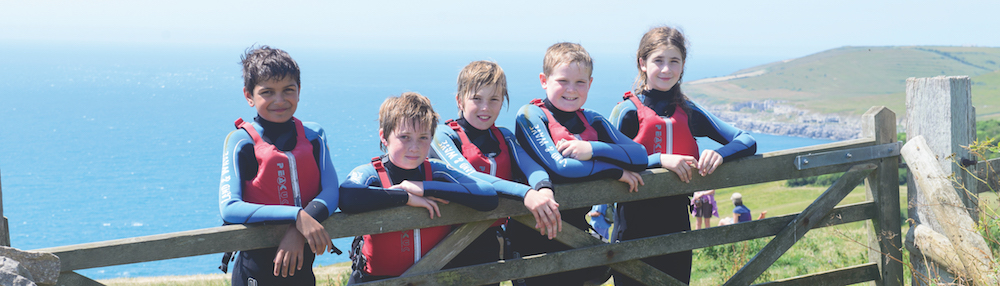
(109, 142)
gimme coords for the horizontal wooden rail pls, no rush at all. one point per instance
(844, 276)
(767, 167)
(627, 250)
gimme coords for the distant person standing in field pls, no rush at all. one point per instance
(704, 208)
(741, 213)
(659, 116)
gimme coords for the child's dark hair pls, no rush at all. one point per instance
(655, 38)
(264, 63)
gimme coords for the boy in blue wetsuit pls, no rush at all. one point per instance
(573, 145)
(404, 176)
(660, 117)
(475, 145)
(277, 169)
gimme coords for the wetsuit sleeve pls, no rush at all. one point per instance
(736, 143)
(326, 202)
(445, 149)
(626, 119)
(231, 204)
(469, 190)
(621, 150)
(537, 177)
(533, 135)
(362, 191)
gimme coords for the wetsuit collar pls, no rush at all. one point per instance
(659, 101)
(397, 174)
(281, 135)
(568, 119)
(470, 130)
(486, 144)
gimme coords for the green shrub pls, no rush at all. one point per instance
(828, 180)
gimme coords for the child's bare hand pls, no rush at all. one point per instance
(289, 255)
(680, 164)
(543, 206)
(593, 214)
(422, 202)
(633, 179)
(576, 149)
(416, 188)
(708, 161)
(313, 232)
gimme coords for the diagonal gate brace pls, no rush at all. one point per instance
(806, 220)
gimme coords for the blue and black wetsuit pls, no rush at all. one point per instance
(363, 190)
(613, 152)
(448, 147)
(240, 166)
(665, 215)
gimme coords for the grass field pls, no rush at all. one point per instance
(849, 80)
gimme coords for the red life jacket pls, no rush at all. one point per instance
(283, 177)
(559, 132)
(498, 166)
(390, 254)
(665, 135)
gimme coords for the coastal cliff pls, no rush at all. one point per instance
(775, 118)
(824, 94)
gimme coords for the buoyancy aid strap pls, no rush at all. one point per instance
(383, 176)
(428, 173)
(240, 124)
(465, 138)
(500, 139)
(461, 133)
(633, 98)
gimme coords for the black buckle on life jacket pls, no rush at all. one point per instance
(226, 258)
(357, 258)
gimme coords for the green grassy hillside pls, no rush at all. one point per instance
(849, 80)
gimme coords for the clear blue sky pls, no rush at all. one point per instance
(780, 29)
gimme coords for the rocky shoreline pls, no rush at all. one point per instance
(776, 118)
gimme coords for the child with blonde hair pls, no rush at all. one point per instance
(474, 144)
(573, 144)
(404, 176)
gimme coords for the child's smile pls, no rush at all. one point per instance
(663, 68)
(482, 108)
(566, 88)
(275, 100)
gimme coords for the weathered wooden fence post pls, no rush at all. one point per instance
(939, 108)
(962, 242)
(882, 188)
(4, 231)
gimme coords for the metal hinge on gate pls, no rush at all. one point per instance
(847, 156)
